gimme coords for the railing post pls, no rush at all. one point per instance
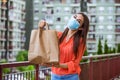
(90, 69)
(108, 68)
(0, 72)
(37, 72)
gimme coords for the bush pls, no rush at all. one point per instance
(23, 56)
(5, 70)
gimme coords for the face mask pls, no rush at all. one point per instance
(73, 24)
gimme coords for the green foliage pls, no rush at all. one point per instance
(99, 51)
(85, 53)
(118, 48)
(109, 50)
(5, 70)
(114, 50)
(48, 77)
(106, 49)
(3, 61)
(30, 67)
(23, 56)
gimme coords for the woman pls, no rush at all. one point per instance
(72, 44)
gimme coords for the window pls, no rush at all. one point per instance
(101, 27)
(58, 19)
(92, 28)
(44, 10)
(66, 18)
(58, 9)
(36, 10)
(109, 27)
(36, 18)
(67, 10)
(101, 18)
(36, 1)
(109, 37)
(111, 1)
(110, 10)
(100, 37)
(101, 9)
(92, 10)
(94, 1)
(58, 27)
(118, 19)
(93, 19)
(110, 18)
(118, 9)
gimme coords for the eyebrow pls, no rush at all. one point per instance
(78, 19)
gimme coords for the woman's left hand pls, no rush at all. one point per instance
(50, 65)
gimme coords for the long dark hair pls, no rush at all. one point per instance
(78, 35)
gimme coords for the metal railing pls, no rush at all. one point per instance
(97, 67)
(101, 67)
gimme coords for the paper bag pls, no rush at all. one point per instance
(43, 47)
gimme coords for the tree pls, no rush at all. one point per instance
(99, 51)
(85, 53)
(118, 48)
(106, 47)
(113, 50)
(109, 50)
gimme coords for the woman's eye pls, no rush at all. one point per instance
(75, 16)
(78, 21)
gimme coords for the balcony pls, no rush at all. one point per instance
(99, 67)
(3, 6)
(117, 30)
(11, 7)
(91, 39)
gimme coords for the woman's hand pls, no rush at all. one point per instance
(55, 65)
(61, 66)
(42, 23)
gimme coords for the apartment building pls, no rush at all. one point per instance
(13, 28)
(103, 15)
(104, 23)
(3, 20)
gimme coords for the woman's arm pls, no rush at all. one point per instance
(72, 65)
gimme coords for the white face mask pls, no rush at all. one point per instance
(73, 24)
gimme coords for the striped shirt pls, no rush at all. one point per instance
(67, 56)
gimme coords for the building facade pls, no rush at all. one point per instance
(103, 15)
(104, 18)
(3, 20)
(13, 28)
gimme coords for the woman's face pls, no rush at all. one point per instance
(79, 18)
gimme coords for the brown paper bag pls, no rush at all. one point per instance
(43, 47)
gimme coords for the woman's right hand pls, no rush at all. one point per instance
(42, 23)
